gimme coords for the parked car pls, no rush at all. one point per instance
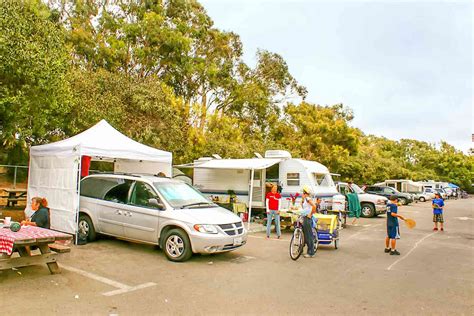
(156, 210)
(423, 196)
(403, 198)
(443, 193)
(449, 192)
(370, 204)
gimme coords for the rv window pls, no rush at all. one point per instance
(293, 179)
(323, 180)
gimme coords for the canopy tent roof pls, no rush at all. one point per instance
(243, 164)
(102, 140)
(453, 186)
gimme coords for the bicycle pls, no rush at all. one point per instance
(297, 240)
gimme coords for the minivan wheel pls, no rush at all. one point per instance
(177, 246)
(403, 201)
(422, 199)
(368, 210)
(86, 227)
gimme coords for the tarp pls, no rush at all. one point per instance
(242, 164)
(55, 168)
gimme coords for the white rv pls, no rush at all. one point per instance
(433, 184)
(406, 186)
(218, 177)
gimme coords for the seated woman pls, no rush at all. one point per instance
(40, 216)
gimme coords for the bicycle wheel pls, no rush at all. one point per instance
(296, 244)
(316, 241)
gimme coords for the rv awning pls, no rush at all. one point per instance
(244, 164)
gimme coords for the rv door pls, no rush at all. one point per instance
(258, 188)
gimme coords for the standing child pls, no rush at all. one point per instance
(393, 231)
(438, 204)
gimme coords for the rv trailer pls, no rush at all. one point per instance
(406, 186)
(217, 177)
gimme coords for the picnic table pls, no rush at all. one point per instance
(28, 236)
(14, 196)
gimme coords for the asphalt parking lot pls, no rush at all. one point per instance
(433, 275)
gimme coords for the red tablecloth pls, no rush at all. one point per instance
(8, 238)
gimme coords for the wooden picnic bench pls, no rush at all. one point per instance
(14, 196)
(28, 237)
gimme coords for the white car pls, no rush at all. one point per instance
(160, 211)
(424, 196)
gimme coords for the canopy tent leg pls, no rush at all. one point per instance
(78, 195)
(252, 173)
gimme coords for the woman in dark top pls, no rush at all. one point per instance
(40, 216)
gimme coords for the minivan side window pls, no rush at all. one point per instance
(141, 195)
(119, 193)
(96, 187)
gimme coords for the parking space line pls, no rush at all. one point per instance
(129, 289)
(411, 250)
(121, 287)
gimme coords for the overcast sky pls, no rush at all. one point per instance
(405, 68)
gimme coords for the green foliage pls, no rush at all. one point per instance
(34, 61)
(142, 108)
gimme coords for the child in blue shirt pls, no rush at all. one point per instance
(393, 232)
(438, 204)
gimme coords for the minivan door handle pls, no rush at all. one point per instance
(118, 212)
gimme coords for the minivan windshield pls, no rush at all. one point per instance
(182, 195)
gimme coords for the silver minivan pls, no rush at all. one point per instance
(160, 211)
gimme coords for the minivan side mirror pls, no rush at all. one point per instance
(155, 203)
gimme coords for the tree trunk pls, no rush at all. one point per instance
(202, 121)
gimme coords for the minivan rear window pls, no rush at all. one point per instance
(110, 189)
(97, 187)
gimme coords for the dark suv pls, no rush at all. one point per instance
(403, 198)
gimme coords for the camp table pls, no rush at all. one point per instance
(29, 236)
(14, 196)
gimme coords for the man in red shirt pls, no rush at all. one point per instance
(272, 202)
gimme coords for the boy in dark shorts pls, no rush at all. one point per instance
(393, 232)
(438, 204)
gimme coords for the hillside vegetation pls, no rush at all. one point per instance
(163, 74)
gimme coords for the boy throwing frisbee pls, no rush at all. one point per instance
(393, 232)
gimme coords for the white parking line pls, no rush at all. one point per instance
(129, 289)
(411, 250)
(121, 288)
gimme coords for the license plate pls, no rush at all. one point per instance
(238, 241)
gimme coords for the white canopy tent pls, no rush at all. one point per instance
(251, 164)
(54, 170)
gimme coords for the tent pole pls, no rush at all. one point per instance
(252, 173)
(78, 193)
